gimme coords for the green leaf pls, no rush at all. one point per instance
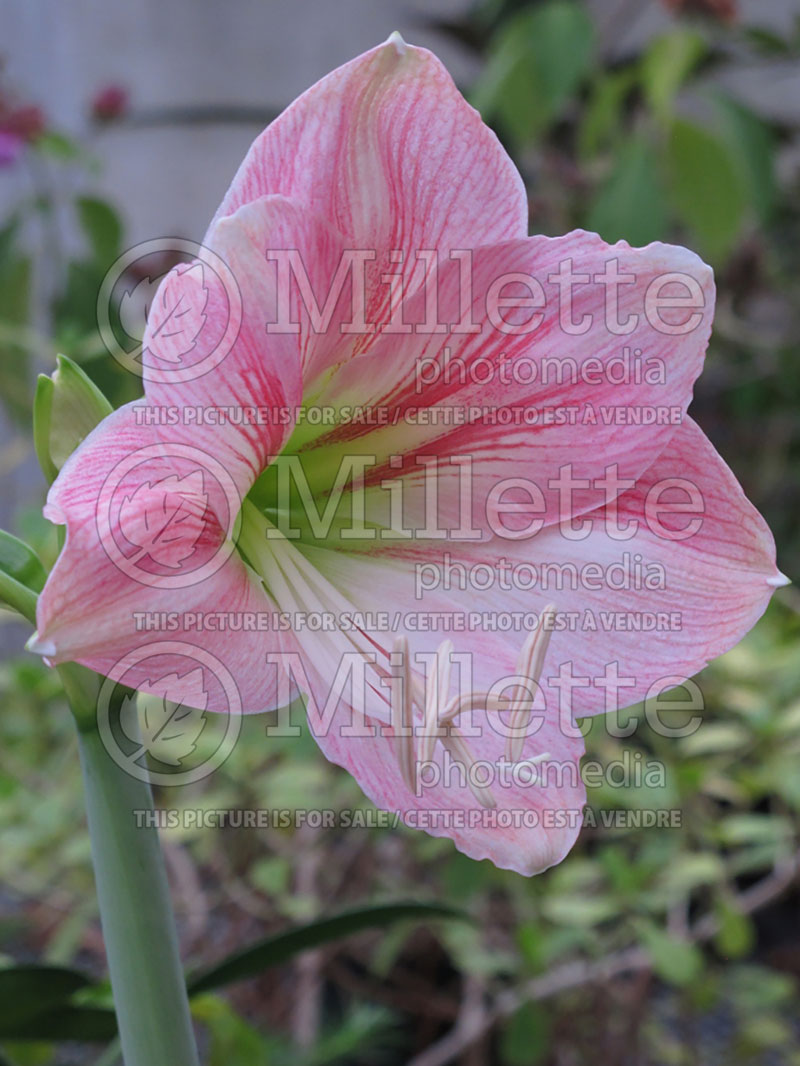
(91, 1024)
(601, 123)
(705, 187)
(736, 935)
(103, 228)
(20, 561)
(231, 1038)
(755, 828)
(278, 949)
(580, 911)
(751, 144)
(667, 63)
(525, 1039)
(15, 298)
(66, 408)
(28, 991)
(536, 64)
(631, 204)
(677, 961)
(58, 146)
(715, 737)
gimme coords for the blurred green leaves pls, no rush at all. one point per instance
(55, 1003)
(705, 187)
(632, 202)
(278, 949)
(37, 1003)
(666, 64)
(526, 1039)
(15, 313)
(676, 960)
(535, 65)
(663, 156)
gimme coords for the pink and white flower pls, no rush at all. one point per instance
(462, 408)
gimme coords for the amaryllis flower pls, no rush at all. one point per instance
(431, 473)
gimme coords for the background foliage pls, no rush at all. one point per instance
(649, 945)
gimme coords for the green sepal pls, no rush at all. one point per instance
(66, 408)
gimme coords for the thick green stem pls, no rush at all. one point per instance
(136, 913)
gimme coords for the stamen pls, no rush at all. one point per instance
(436, 686)
(456, 744)
(473, 701)
(529, 666)
(534, 764)
(403, 716)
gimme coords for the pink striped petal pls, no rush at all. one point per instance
(146, 565)
(539, 400)
(235, 391)
(387, 151)
(534, 824)
(702, 592)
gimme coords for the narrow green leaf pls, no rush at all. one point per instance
(27, 991)
(278, 949)
(92, 1024)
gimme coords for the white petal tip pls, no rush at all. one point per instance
(397, 42)
(779, 580)
(41, 647)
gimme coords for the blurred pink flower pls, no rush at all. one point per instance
(10, 147)
(726, 10)
(110, 103)
(26, 122)
(384, 160)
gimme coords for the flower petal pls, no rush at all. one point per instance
(389, 153)
(533, 402)
(535, 822)
(234, 393)
(146, 562)
(683, 589)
